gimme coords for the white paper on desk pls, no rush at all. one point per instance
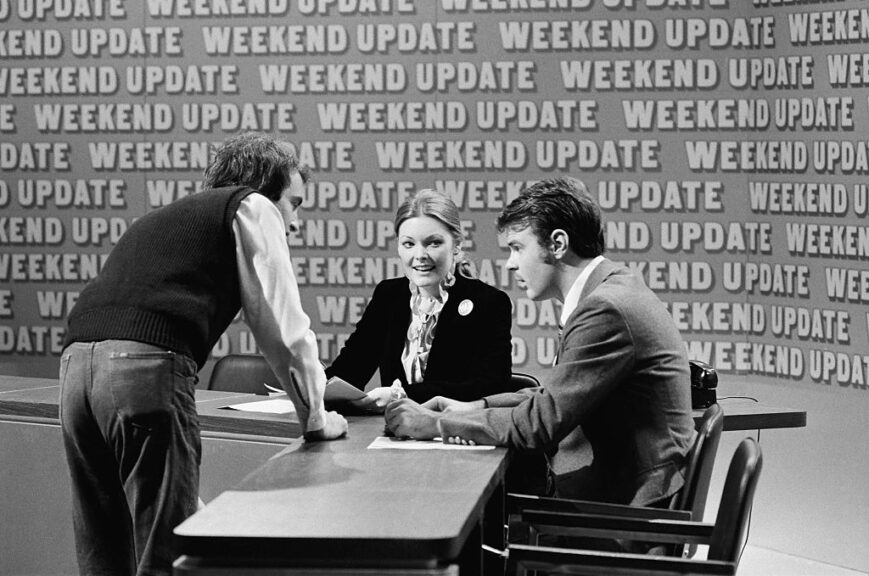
(338, 390)
(274, 392)
(270, 406)
(393, 443)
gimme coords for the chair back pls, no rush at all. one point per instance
(731, 525)
(518, 381)
(242, 373)
(701, 461)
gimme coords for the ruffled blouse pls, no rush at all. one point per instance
(424, 313)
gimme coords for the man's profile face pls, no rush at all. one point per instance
(531, 263)
(289, 202)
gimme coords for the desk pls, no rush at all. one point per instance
(34, 489)
(38, 398)
(746, 414)
(340, 505)
(341, 508)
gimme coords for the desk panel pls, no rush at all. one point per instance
(747, 414)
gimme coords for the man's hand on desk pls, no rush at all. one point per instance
(441, 404)
(336, 427)
(406, 418)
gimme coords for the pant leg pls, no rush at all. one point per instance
(148, 397)
(101, 520)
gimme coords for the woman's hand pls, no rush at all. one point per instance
(375, 400)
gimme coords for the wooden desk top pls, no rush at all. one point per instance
(39, 398)
(746, 414)
(321, 501)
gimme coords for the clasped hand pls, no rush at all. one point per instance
(334, 428)
(408, 419)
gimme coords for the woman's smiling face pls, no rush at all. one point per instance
(426, 250)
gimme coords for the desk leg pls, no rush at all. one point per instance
(494, 532)
(473, 560)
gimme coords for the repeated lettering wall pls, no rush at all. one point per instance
(726, 141)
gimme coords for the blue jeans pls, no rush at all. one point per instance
(131, 435)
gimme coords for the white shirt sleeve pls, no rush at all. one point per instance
(273, 309)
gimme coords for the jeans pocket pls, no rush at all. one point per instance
(143, 387)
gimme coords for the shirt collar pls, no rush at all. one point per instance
(571, 301)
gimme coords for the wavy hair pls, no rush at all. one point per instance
(255, 160)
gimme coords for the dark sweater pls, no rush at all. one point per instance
(171, 280)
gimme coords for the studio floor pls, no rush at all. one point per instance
(757, 561)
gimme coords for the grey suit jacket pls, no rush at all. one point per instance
(621, 381)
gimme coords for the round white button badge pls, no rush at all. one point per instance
(465, 307)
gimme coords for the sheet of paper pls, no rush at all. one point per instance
(274, 392)
(270, 406)
(393, 443)
(338, 390)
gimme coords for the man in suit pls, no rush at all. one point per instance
(621, 377)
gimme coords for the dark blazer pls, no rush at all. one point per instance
(621, 381)
(470, 354)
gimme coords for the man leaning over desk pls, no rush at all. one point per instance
(144, 327)
(620, 379)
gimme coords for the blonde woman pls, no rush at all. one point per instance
(437, 330)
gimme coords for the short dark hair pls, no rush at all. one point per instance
(555, 203)
(256, 160)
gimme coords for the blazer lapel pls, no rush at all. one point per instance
(400, 321)
(595, 279)
(597, 276)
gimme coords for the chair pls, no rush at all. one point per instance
(527, 471)
(726, 538)
(242, 373)
(688, 505)
(518, 381)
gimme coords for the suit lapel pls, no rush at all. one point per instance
(597, 276)
(595, 279)
(397, 334)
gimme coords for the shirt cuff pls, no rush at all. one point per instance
(316, 420)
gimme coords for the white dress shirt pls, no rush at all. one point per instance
(571, 301)
(273, 308)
